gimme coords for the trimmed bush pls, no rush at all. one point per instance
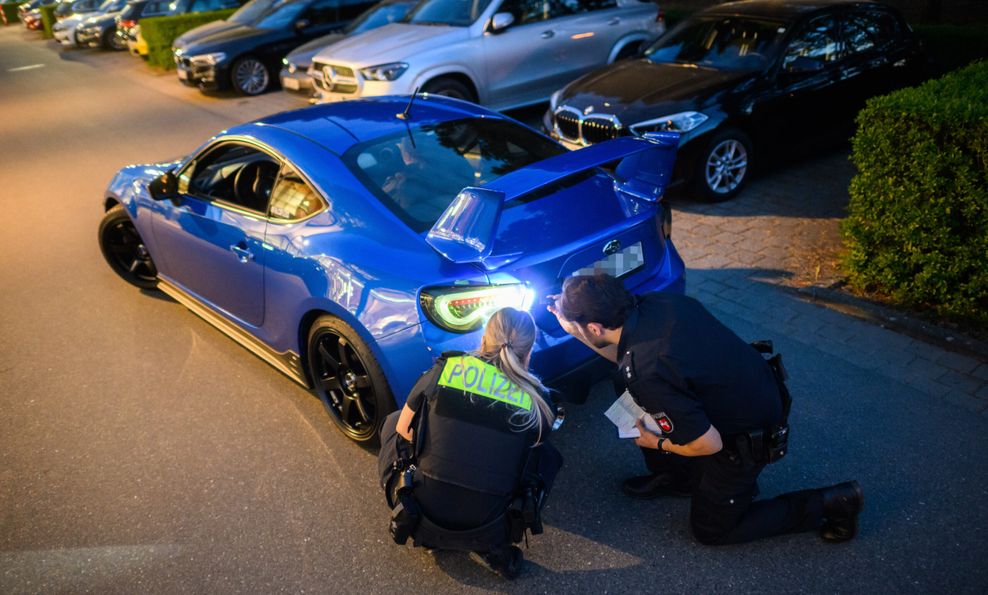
(917, 224)
(10, 12)
(160, 32)
(47, 20)
(950, 47)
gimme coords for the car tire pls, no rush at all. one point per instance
(723, 166)
(110, 41)
(249, 76)
(449, 87)
(348, 380)
(124, 249)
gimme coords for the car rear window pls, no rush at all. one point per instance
(417, 173)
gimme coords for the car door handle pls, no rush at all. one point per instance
(614, 21)
(548, 34)
(243, 254)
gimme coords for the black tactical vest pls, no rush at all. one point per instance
(469, 427)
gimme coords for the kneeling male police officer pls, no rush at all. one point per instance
(718, 404)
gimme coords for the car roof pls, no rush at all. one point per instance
(785, 9)
(339, 126)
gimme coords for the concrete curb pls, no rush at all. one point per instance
(886, 317)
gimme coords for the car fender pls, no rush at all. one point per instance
(434, 72)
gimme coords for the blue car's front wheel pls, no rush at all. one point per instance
(348, 379)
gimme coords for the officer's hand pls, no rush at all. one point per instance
(568, 325)
(647, 438)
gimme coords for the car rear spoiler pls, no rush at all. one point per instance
(466, 230)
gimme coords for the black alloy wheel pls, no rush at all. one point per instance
(448, 87)
(348, 380)
(250, 76)
(124, 250)
(111, 41)
(724, 166)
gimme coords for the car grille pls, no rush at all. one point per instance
(568, 125)
(596, 130)
(334, 78)
(573, 126)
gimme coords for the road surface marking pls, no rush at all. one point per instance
(20, 68)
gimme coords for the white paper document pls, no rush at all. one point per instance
(624, 412)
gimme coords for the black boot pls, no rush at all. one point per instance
(657, 484)
(841, 505)
(506, 561)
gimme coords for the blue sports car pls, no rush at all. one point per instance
(350, 244)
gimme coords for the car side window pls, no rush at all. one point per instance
(322, 12)
(864, 31)
(818, 40)
(592, 5)
(208, 5)
(292, 198)
(534, 11)
(233, 173)
(155, 9)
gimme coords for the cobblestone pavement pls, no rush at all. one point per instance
(783, 232)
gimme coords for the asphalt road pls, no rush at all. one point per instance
(142, 450)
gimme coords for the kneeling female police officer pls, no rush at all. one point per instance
(468, 453)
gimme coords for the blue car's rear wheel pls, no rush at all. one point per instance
(348, 379)
(124, 249)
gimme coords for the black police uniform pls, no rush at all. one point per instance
(689, 371)
(470, 457)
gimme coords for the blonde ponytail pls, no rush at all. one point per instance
(507, 343)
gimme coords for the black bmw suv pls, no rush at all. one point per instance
(739, 79)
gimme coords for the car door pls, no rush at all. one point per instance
(525, 60)
(212, 235)
(804, 98)
(876, 59)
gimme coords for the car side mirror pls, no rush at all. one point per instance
(501, 21)
(164, 186)
(301, 24)
(802, 64)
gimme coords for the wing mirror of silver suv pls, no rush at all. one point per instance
(501, 21)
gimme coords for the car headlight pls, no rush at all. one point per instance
(467, 308)
(681, 122)
(384, 72)
(210, 59)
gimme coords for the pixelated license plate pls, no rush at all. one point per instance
(621, 263)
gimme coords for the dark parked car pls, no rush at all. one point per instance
(132, 15)
(739, 79)
(248, 57)
(101, 30)
(295, 73)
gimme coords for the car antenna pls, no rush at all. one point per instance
(404, 115)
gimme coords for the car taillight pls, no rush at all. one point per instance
(467, 308)
(661, 17)
(127, 24)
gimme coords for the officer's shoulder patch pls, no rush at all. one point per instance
(664, 422)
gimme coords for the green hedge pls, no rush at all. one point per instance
(160, 32)
(950, 47)
(917, 224)
(47, 20)
(10, 11)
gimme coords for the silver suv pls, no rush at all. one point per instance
(502, 53)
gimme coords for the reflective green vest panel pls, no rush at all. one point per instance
(472, 375)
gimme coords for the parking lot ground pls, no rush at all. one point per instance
(143, 451)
